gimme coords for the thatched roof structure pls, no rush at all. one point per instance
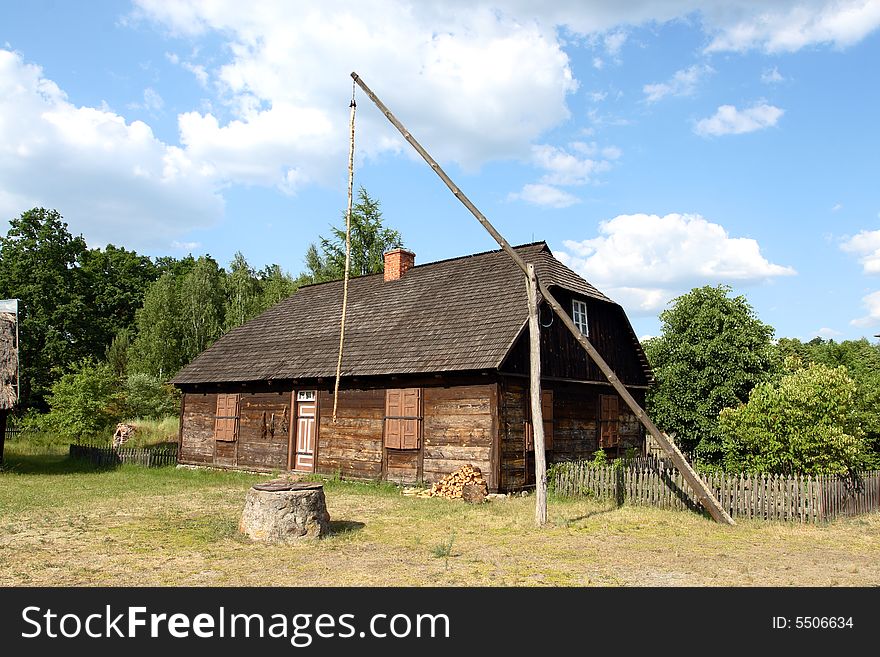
(8, 361)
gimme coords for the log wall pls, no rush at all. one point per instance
(575, 427)
(460, 427)
(352, 447)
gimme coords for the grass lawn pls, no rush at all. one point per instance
(64, 523)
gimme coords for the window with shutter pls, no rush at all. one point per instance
(547, 417)
(226, 419)
(609, 421)
(403, 418)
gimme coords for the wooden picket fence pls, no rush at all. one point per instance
(768, 497)
(104, 456)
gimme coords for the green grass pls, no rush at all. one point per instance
(150, 433)
(66, 523)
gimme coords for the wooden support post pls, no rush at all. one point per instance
(704, 495)
(535, 395)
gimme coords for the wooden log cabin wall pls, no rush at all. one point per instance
(438, 379)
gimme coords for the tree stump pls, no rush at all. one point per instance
(285, 512)
(474, 493)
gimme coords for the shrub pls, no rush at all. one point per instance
(804, 422)
(84, 401)
(147, 397)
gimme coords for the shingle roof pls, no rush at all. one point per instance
(452, 315)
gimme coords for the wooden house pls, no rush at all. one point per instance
(435, 376)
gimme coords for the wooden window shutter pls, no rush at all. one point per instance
(609, 421)
(547, 415)
(227, 417)
(411, 401)
(393, 423)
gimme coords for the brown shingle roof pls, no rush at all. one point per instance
(452, 315)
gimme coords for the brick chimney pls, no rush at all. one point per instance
(397, 263)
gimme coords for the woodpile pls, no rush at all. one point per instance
(467, 479)
(123, 432)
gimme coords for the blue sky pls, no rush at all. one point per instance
(655, 146)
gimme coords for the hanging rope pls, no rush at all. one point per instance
(353, 107)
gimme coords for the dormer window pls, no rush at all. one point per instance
(579, 316)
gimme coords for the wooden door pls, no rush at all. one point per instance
(306, 436)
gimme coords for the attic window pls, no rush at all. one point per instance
(579, 315)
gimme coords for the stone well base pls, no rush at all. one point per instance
(284, 512)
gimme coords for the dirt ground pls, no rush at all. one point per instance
(169, 527)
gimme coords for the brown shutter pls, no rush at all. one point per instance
(547, 416)
(411, 402)
(393, 424)
(226, 420)
(609, 421)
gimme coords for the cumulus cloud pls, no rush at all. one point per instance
(544, 195)
(644, 260)
(728, 120)
(828, 333)
(682, 83)
(113, 181)
(872, 303)
(866, 245)
(473, 84)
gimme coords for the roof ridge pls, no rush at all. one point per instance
(437, 262)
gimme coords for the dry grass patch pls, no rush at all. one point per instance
(65, 525)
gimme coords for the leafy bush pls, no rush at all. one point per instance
(804, 422)
(147, 397)
(84, 401)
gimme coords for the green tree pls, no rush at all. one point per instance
(201, 307)
(115, 281)
(117, 352)
(803, 422)
(711, 352)
(84, 401)
(39, 264)
(275, 286)
(157, 349)
(369, 242)
(862, 361)
(243, 297)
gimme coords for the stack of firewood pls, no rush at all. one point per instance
(452, 485)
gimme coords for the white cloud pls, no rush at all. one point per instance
(872, 303)
(645, 260)
(791, 25)
(728, 120)
(614, 42)
(597, 96)
(473, 85)
(771, 76)
(836, 207)
(828, 333)
(113, 181)
(565, 168)
(545, 195)
(682, 83)
(185, 246)
(866, 245)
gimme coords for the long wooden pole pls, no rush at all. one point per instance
(535, 395)
(347, 256)
(704, 495)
